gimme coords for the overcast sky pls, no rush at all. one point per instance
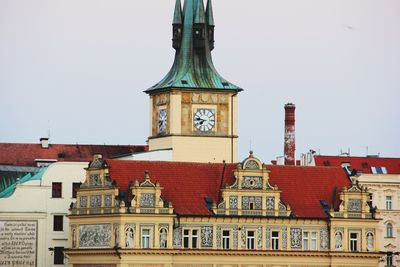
(79, 68)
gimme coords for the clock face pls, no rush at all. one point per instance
(162, 121)
(204, 119)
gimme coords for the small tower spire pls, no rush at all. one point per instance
(209, 14)
(177, 26)
(210, 24)
(199, 17)
(178, 13)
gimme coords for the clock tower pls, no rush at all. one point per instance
(193, 109)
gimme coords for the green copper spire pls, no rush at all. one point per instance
(199, 16)
(193, 41)
(209, 14)
(178, 13)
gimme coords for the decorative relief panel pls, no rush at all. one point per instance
(251, 165)
(324, 239)
(259, 237)
(177, 237)
(295, 237)
(95, 235)
(129, 235)
(73, 234)
(108, 200)
(354, 205)
(235, 237)
(206, 236)
(270, 203)
(233, 202)
(116, 234)
(147, 200)
(246, 200)
(218, 236)
(95, 201)
(95, 180)
(268, 237)
(243, 237)
(252, 182)
(284, 237)
(83, 201)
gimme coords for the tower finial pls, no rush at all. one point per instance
(199, 17)
(209, 14)
(177, 13)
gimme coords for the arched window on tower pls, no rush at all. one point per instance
(389, 230)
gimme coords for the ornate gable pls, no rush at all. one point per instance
(147, 197)
(354, 203)
(251, 194)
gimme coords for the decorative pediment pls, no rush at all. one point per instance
(354, 203)
(251, 194)
(146, 197)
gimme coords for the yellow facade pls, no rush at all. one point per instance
(216, 144)
(148, 232)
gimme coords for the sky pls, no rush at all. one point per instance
(78, 69)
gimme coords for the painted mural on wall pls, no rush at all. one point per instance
(95, 235)
(18, 243)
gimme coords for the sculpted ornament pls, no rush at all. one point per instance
(129, 235)
(338, 241)
(206, 236)
(370, 242)
(177, 237)
(324, 240)
(295, 237)
(163, 238)
(95, 236)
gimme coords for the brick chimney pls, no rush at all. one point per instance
(44, 142)
(290, 142)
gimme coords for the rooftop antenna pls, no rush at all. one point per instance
(366, 148)
(250, 145)
(48, 129)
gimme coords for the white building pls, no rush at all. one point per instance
(33, 223)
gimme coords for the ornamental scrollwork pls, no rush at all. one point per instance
(233, 202)
(324, 239)
(95, 236)
(95, 201)
(177, 237)
(354, 205)
(252, 182)
(147, 200)
(295, 237)
(206, 236)
(270, 203)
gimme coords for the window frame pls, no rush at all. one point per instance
(145, 240)
(226, 239)
(58, 223)
(191, 238)
(354, 242)
(75, 188)
(275, 240)
(58, 256)
(56, 190)
(389, 230)
(389, 202)
(251, 240)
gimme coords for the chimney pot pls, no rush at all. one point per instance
(44, 142)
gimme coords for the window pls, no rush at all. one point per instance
(194, 238)
(313, 241)
(56, 190)
(389, 230)
(379, 170)
(75, 188)
(190, 235)
(226, 236)
(389, 259)
(58, 222)
(251, 206)
(305, 241)
(275, 240)
(250, 239)
(58, 255)
(145, 238)
(310, 240)
(388, 202)
(353, 241)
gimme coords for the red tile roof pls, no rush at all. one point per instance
(25, 154)
(187, 184)
(363, 164)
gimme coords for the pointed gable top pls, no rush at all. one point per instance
(199, 16)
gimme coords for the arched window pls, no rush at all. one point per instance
(389, 230)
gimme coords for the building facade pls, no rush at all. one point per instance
(33, 224)
(140, 213)
(382, 178)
